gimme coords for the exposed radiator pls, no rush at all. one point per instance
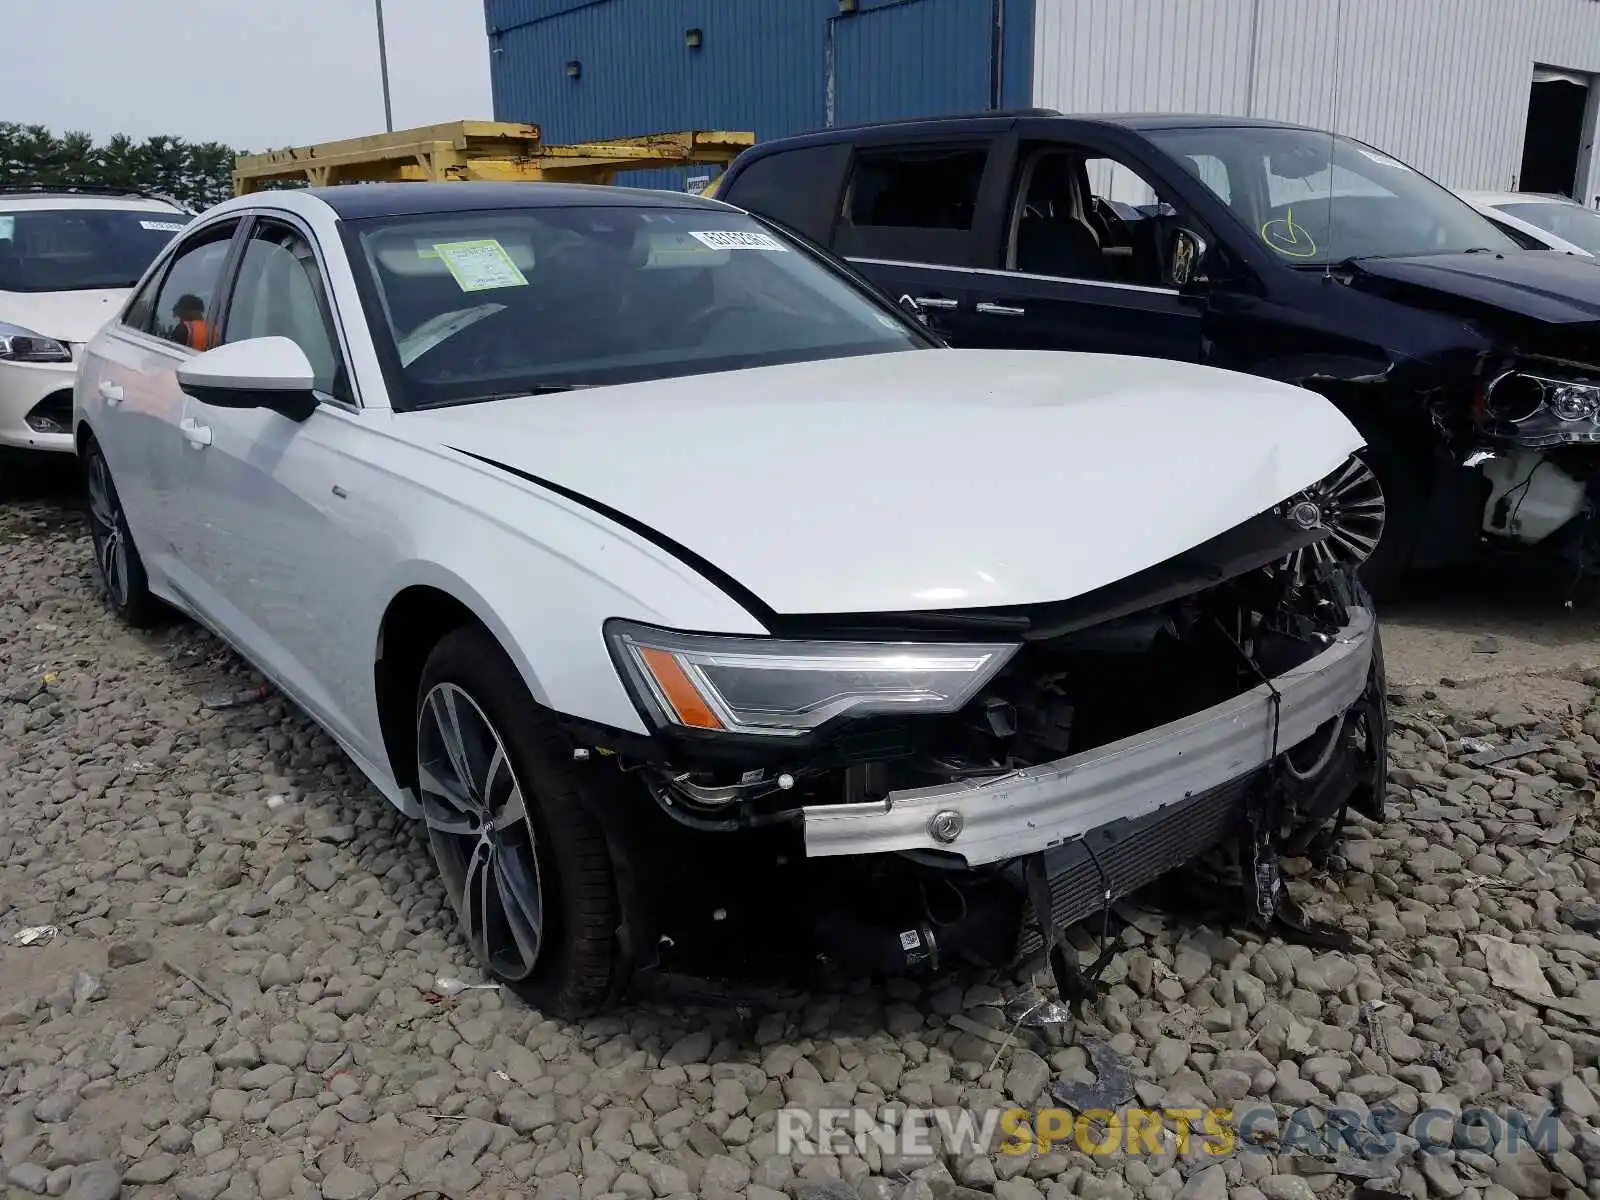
(1134, 853)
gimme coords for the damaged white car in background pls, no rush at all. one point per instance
(692, 596)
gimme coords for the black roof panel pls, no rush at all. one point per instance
(353, 201)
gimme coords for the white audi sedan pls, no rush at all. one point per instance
(691, 594)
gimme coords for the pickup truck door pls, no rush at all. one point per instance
(1085, 260)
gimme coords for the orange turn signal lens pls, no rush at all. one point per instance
(680, 692)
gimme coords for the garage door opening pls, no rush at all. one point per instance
(1553, 142)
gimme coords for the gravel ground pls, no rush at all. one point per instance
(241, 998)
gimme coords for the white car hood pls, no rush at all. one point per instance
(924, 479)
(65, 316)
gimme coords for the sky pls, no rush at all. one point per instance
(253, 74)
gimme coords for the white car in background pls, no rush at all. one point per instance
(1557, 223)
(686, 588)
(67, 262)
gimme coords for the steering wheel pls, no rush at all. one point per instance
(697, 326)
(470, 345)
(1116, 228)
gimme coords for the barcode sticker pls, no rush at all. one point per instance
(740, 240)
(910, 940)
(162, 226)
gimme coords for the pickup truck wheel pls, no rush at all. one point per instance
(518, 848)
(118, 567)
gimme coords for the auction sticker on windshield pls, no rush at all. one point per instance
(162, 226)
(732, 239)
(478, 266)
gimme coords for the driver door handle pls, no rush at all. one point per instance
(935, 302)
(1000, 310)
(198, 435)
(110, 392)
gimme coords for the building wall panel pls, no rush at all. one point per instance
(763, 65)
(1441, 84)
(910, 60)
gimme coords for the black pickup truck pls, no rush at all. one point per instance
(1468, 357)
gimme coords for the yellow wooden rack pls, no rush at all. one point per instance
(481, 150)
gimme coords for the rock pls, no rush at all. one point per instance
(154, 1168)
(346, 1183)
(1026, 1077)
(724, 1174)
(1208, 1183)
(1285, 1187)
(99, 1180)
(1576, 1098)
(30, 1177)
(525, 1113)
(128, 953)
(1522, 1174)
(690, 1049)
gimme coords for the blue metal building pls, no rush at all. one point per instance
(588, 69)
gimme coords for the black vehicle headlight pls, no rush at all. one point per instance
(777, 688)
(18, 344)
(1536, 410)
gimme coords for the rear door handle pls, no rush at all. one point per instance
(198, 435)
(110, 392)
(935, 302)
(1000, 310)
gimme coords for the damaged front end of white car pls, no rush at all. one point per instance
(903, 791)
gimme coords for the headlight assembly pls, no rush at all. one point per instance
(1534, 410)
(775, 688)
(23, 345)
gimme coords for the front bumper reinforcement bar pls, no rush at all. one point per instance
(1033, 809)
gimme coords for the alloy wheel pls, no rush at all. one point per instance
(476, 813)
(107, 531)
(1350, 505)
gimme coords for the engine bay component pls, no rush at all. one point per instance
(1530, 496)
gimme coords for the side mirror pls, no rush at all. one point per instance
(265, 372)
(1186, 258)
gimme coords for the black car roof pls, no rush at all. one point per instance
(1137, 122)
(354, 201)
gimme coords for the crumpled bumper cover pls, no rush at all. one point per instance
(1045, 805)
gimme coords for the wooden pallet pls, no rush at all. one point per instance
(480, 150)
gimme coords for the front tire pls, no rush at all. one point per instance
(118, 567)
(512, 827)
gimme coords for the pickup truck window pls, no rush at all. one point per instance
(913, 203)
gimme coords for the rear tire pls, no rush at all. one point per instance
(118, 567)
(512, 826)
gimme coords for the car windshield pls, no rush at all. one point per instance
(77, 249)
(1316, 199)
(1569, 222)
(476, 305)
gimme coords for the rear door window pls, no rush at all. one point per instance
(914, 204)
(796, 188)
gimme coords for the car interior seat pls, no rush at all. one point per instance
(1054, 236)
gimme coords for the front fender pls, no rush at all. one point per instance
(545, 585)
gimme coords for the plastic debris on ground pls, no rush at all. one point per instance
(1032, 1009)
(237, 699)
(1112, 1086)
(1496, 754)
(35, 935)
(448, 985)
